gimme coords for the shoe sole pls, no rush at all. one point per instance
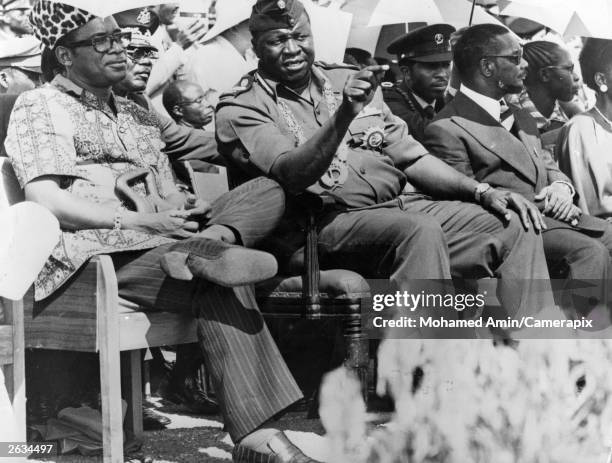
(235, 267)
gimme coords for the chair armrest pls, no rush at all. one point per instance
(69, 318)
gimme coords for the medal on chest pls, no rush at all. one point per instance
(337, 173)
(373, 138)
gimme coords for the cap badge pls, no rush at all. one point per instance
(281, 4)
(439, 39)
(373, 138)
(144, 17)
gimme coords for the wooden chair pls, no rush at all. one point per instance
(87, 315)
(313, 294)
(12, 361)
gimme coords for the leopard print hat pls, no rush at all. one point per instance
(53, 20)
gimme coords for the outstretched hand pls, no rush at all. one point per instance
(360, 88)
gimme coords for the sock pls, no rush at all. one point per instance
(258, 439)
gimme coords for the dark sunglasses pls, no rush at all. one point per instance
(104, 43)
(137, 54)
(515, 58)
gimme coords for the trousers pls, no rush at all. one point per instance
(248, 373)
(415, 237)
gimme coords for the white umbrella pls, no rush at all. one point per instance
(454, 12)
(368, 13)
(104, 8)
(588, 18)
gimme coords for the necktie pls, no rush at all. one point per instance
(503, 109)
(430, 112)
(506, 118)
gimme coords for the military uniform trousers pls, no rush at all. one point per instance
(415, 237)
(249, 375)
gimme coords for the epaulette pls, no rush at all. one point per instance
(324, 65)
(244, 85)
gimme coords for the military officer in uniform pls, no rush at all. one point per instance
(326, 129)
(424, 56)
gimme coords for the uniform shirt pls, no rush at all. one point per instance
(251, 121)
(66, 131)
(411, 108)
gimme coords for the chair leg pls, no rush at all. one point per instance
(110, 365)
(132, 381)
(357, 352)
(15, 372)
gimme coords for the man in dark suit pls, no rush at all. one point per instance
(424, 56)
(499, 147)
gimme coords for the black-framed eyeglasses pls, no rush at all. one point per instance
(198, 100)
(568, 67)
(137, 53)
(514, 58)
(104, 43)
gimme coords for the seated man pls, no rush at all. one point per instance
(472, 135)
(187, 105)
(326, 129)
(184, 386)
(71, 140)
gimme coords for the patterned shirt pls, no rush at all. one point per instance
(65, 131)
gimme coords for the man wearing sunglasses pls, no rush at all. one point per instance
(184, 386)
(499, 146)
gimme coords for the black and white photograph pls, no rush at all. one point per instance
(306, 231)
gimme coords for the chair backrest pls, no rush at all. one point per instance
(10, 191)
(208, 185)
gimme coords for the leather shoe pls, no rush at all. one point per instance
(188, 393)
(282, 450)
(218, 262)
(152, 421)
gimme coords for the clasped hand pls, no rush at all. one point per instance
(177, 223)
(558, 203)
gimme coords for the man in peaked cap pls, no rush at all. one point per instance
(184, 386)
(325, 129)
(424, 56)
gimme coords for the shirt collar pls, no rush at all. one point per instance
(68, 86)
(490, 105)
(422, 102)
(271, 86)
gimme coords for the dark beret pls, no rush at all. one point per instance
(427, 44)
(275, 14)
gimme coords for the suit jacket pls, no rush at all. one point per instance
(465, 136)
(404, 105)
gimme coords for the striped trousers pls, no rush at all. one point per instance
(249, 375)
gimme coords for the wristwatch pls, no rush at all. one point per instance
(481, 189)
